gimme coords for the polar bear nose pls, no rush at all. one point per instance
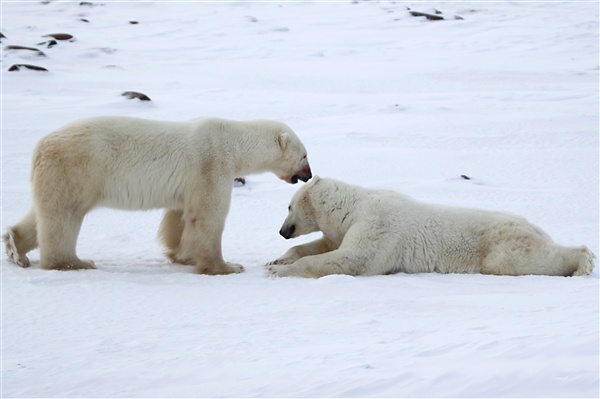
(287, 231)
(305, 175)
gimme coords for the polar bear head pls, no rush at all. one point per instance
(301, 213)
(293, 164)
(279, 150)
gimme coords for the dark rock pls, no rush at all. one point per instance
(49, 43)
(60, 36)
(134, 94)
(133, 22)
(465, 177)
(432, 15)
(18, 67)
(16, 47)
(239, 181)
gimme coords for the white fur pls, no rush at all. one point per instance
(370, 232)
(128, 163)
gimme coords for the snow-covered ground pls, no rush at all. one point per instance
(507, 96)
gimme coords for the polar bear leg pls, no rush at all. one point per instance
(21, 238)
(572, 261)
(315, 247)
(57, 236)
(202, 245)
(203, 224)
(340, 261)
(537, 256)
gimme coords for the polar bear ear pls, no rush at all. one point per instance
(282, 140)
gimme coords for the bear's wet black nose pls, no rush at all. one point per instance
(306, 177)
(302, 176)
(287, 231)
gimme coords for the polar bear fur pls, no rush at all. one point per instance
(370, 232)
(136, 164)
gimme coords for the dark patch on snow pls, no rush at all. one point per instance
(18, 67)
(134, 94)
(17, 47)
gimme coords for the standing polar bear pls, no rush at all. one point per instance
(369, 232)
(136, 164)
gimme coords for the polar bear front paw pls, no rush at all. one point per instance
(70, 264)
(277, 270)
(284, 260)
(225, 268)
(234, 268)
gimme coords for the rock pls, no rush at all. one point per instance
(49, 43)
(239, 181)
(133, 22)
(429, 16)
(16, 47)
(465, 177)
(18, 67)
(60, 36)
(432, 15)
(134, 94)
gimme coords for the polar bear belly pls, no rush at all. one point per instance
(144, 188)
(135, 195)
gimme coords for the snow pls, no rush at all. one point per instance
(508, 96)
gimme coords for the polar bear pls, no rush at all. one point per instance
(137, 164)
(370, 232)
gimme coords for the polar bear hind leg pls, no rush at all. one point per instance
(581, 260)
(532, 256)
(20, 239)
(557, 260)
(57, 235)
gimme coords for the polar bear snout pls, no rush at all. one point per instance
(304, 178)
(287, 231)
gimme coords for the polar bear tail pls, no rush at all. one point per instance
(583, 259)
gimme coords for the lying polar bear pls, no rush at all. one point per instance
(369, 232)
(128, 163)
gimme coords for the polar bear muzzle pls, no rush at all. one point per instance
(287, 231)
(304, 174)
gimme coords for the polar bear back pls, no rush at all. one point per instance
(419, 236)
